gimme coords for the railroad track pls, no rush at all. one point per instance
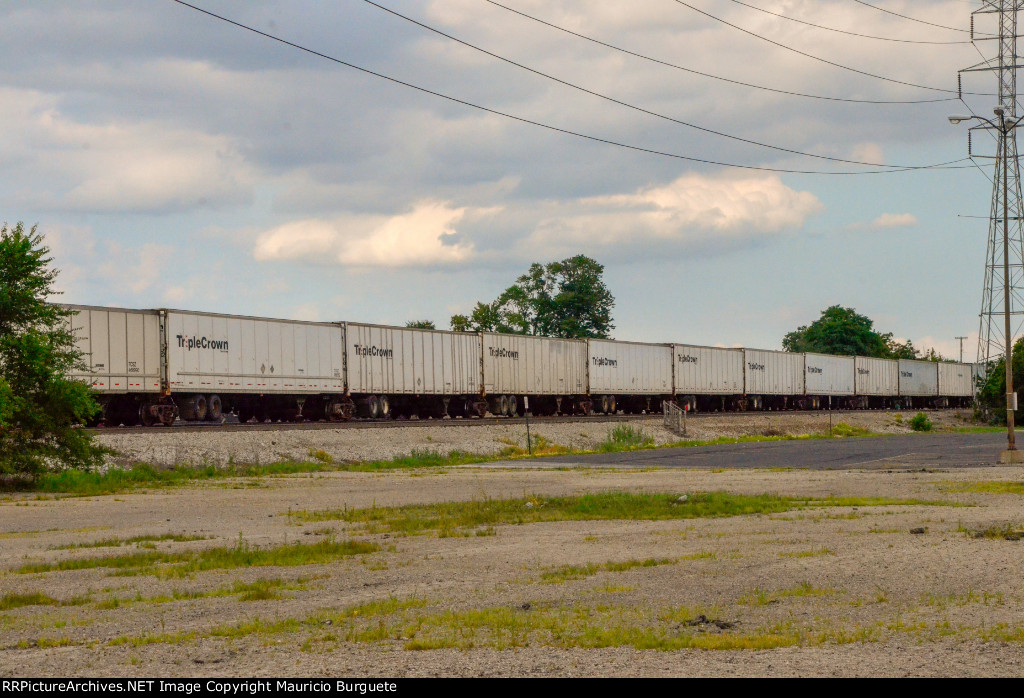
(229, 426)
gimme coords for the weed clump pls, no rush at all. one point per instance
(626, 437)
(321, 456)
(844, 430)
(920, 422)
(1007, 532)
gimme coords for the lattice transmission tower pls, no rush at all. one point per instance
(1000, 285)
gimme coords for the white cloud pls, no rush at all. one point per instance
(424, 236)
(894, 220)
(86, 264)
(118, 166)
(694, 208)
(868, 152)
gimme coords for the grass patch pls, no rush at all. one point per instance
(116, 542)
(454, 516)
(565, 573)
(260, 590)
(808, 553)
(406, 622)
(413, 624)
(625, 437)
(844, 430)
(582, 627)
(12, 600)
(985, 487)
(114, 480)
(178, 564)
(459, 518)
(153, 639)
(759, 597)
(996, 532)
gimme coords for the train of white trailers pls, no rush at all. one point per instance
(158, 366)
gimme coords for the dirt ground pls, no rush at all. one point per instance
(845, 589)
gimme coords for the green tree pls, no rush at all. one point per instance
(899, 350)
(846, 332)
(559, 299)
(993, 391)
(39, 406)
(841, 331)
(421, 324)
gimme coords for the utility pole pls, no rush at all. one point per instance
(961, 347)
(1003, 294)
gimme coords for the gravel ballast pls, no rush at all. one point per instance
(356, 444)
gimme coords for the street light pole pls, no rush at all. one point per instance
(961, 347)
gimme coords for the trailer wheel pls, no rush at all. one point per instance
(384, 407)
(193, 408)
(513, 406)
(611, 404)
(214, 409)
(373, 407)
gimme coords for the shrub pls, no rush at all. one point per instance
(920, 422)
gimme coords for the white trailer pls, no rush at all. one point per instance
(704, 376)
(401, 369)
(829, 375)
(919, 378)
(123, 351)
(624, 375)
(270, 367)
(956, 381)
(516, 366)
(877, 377)
(772, 373)
(121, 348)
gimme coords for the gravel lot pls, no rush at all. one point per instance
(354, 444)
(851, 587)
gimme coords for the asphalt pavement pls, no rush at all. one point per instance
(897, 451)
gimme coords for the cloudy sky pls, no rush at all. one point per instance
(174, 160)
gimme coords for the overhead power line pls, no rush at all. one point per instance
(843, 31)
(717, 77)
(952, 164)
(912, 19)
(824, 60)
(613, 100)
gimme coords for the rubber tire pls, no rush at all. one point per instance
(373, 407)
(214, 409)
(385, 407)
(197, 408)
(611, 404)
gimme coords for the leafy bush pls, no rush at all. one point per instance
(920, 422)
